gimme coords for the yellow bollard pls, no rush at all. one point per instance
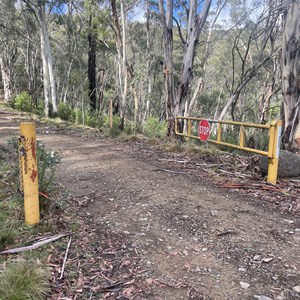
(29, 172)
(273, 152)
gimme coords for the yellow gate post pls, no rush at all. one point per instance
(29, 172)
(273, 151)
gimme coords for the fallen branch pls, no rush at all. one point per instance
(251, 186)
(65, 259)
(35, 245)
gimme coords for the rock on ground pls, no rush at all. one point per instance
(289, 164)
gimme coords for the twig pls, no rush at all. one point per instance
(65, 259)
(236, 174)
(35, 245)
(169, 171)
(208, 165)
(226, 232)
(173, 160)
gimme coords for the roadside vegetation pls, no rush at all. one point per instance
(26, 275)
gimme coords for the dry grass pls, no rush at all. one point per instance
(188, 148)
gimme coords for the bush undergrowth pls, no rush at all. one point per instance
(24, 279)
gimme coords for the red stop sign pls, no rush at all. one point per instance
(204, 130)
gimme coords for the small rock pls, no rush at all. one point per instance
(296, 288)
(204, 249)
(185, 217)
(244, 285)
(297, 229)
(267, 259)
(261, 297)
(289, 221)
(197, 269)
(281, 296)
(169, 247)
(257, 257)
(242, 269)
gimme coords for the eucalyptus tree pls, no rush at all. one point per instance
(38, 9)
(290, 64)
(176, 97)
(253, 50)
(30, 51)
(8, 45)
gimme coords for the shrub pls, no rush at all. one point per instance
(24, 280)
(47, 162)
(92, 119)
(40, 109)
(23, 102)
(153, 127)
(64, 111)
(115, 130)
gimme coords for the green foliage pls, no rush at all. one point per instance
(115, 130)
(78, 116)
(24, 280)
(47, 162)
(153, 127)
(64, 111)
(92, 119)
(39, 109)
(23, 102)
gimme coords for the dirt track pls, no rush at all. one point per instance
(195, 241)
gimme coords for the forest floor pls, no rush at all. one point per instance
(162, 225)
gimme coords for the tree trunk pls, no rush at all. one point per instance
(167, 24)
(46, 78)
(291, 74)
(195, 25)
(122, 82)
(92, 64)
(6, 76)
(124, 68)
(149, 62)
(48, 73)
